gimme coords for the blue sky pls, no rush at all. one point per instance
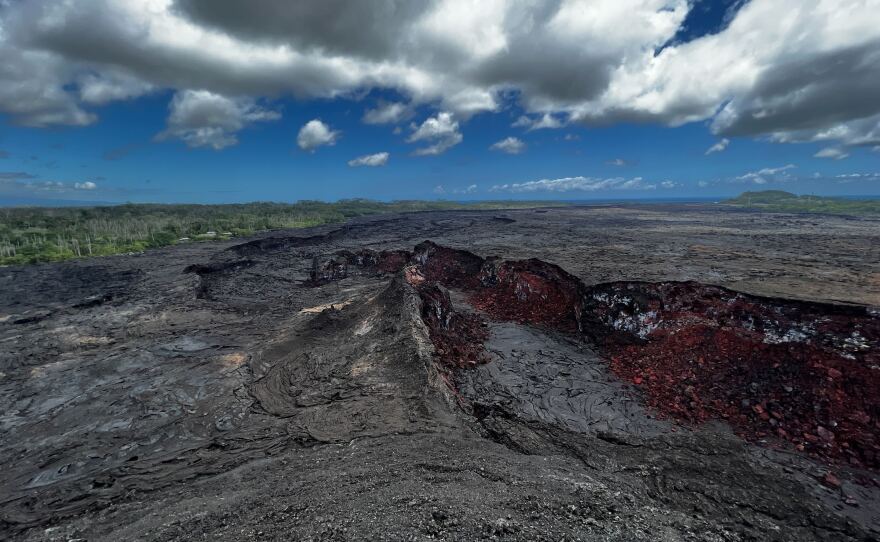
(121, 131)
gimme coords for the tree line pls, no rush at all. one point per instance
(42, 234)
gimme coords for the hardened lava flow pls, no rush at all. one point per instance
(778, 371)
(354, 382)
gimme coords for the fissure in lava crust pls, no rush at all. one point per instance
(776, 370)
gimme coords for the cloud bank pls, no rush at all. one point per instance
(791, 71)
(577, 184)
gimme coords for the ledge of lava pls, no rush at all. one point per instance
(778, 371)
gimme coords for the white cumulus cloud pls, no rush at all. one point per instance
(844, 178)
(766, 175)
(371, 160)
(388, 113)
(201, 118)
(470, 189)
(441, 131)
(509, 145)
(543, 122)
(832, 152)
(111, 86)
(315, 134)
(718, 147)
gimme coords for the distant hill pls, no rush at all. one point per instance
(787, 202)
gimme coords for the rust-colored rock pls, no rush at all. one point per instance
(776, 370)
(531, 292)
(450, 267)
(458, 337)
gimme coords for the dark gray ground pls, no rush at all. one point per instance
(140, 402)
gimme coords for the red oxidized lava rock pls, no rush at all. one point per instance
(450, 267)
(392, 261)
(532, 292)
(457, 337)
(800, 372)
(777, 370)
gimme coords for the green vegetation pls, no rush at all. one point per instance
(786, 202)
(41, 234)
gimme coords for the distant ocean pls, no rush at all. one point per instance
(683, 199)
(33, 202)
(690, 199)
(854, 197)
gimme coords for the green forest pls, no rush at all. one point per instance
(781, 201)
(49, 234)
(43, 234)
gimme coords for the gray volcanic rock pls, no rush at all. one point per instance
(218, 391)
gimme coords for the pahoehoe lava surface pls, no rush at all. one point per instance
(607, 373)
